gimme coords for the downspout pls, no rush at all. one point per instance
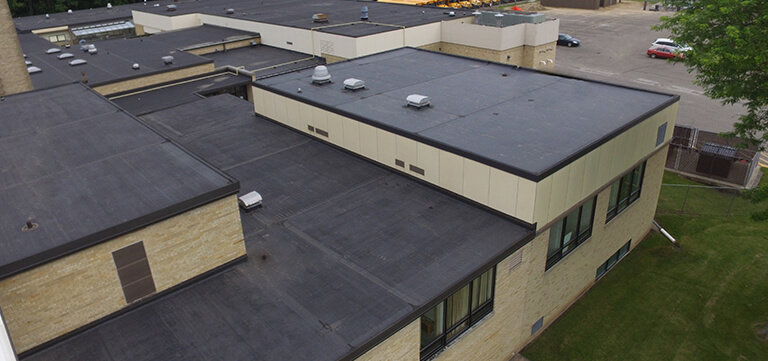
(665, 233)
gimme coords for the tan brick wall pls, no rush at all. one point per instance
(14, 77)
(329, 59)
(61, 296)
(527, 292)
(402, 346)
(153, 79)
(139, 29)
(223, 47)
(525, 56)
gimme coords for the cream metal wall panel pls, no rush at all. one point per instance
(258, 99)
(540, 34)
(335, 129)
(185, 21)
(281, 111)
(368, 140)
(429, 160)
(387, 148)
(305, 115)
(377, 43)
(152, 23)
(273, 35)
(503, 191)
(407, 150)
(526, 197)
(476, 181)
(423, 35)
(451, 172)
(608, 161)
(352, 136)
(335, 45)
(293, 115)
(319, 120)
(467, 33)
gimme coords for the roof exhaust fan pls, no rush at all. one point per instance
(354, 84)
(53, 51)
(250, 201)
(320, 18)
(230, 11)
(417, 101)
(167, 60)
(33, 69)
(170, 8)
(364, 13)
(321, 75)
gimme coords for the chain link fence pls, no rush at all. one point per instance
(702, 200)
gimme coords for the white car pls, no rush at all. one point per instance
(670, 43)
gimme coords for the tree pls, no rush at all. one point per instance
(730, 55)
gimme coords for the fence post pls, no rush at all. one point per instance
(685, 199)
(677, 157)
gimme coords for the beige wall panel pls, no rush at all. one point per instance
(273, 35)
(451, 172)
(305, 118)
(70, 292)
(559, 191)
(293, 117)
(526, 197)
(170, 75)
(476, 181)
(543, 197)
(543, 33)
(429, 160)
(377, 43)
(281, 111)
(368, 141)
(402, 346)
(591, 172)
(319, 120)
(258, 99)
(269, 106)
(503, 191)
(152, 23)
(351, 129)
(407, 150)
(387, 148)
(423, 35)
(335, 129)
(607, 154)
(576, 181)
(185, 21)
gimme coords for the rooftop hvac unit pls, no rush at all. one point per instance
(109, 5)
(250, 201)
(417, 101)
(320, 18)
(33, 69)
(92, 51)
(167, 59)
(77, 62)
(354, 84)
(170, 7)
(65, 56)
(230, 11)
(135, 66)
(53, 51)
(321, 75)
(27, 62)
(364, 13)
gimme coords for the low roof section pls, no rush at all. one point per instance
(518, 120)
(82, 171)
(25, 24)
(342, 254)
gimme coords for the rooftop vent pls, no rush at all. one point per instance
(53, 51)
(170, 7)
(321, 75)
(77, 62)
(320, 18)
(250, 201)
(47, 16)
(33, 69)
(364, 13)
(230, 11)
(135, 66)
(65, 56)
(109, 5)
(417, 101)
(69, 11)
(354, 84)
(451, 13)
(27, 62)
(167, 59)
(92, 50)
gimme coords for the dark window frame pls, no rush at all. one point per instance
(623, 203)
(582, 235)
(617, 257)
(471, 319)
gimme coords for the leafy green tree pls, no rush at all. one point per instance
(729, 57)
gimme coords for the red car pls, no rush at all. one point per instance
(664, 52)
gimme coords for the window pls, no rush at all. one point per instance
(661, 133)
(455, 314)
(625, 191)
(57, 38)
(134, 272)
(605, 267)
(569, 232)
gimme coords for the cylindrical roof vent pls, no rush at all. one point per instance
(321, 75)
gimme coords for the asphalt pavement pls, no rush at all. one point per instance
(614, 42)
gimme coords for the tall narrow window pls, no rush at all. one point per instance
(457, 313)
(625, 191)
(134, 272)
(569, 232)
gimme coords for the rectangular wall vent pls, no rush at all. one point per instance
(516, 260)
(399, 163)
(416, 169)
(310, 128)
(134, 272)
(321, 132)
(537, 325)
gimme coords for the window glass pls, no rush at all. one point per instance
(624, 190)
(600, 271)
(457, 310)
(585, 224)
(571, 227)
(614, 199)
(431, 325)
(637, 176)
(482, 288)
(555, 234)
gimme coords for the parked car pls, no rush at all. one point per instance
(664, 52)
(671, 44)
(567, 40)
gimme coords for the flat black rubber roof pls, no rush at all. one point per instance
(83, 171)
(298, 14)
(526, 122)
(78, 17)
(341, 254)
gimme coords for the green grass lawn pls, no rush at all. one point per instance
(703, 301)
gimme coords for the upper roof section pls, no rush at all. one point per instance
(518, 120)
(382, 17)
(76, 170)
(78, 17)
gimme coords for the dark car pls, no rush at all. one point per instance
(567, 40)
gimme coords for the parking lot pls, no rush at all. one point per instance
(613, 48)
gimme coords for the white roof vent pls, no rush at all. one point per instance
(92, 50)
(167, 59)
(27, 62)
(321, 75)
(77, 62)
(33, 69)
(418, 101)
(250, 201)
(65, 56)
(53, 51)
(69, 11)
(109, 5)
(354, 84)
(230, 11)
(170, 7)
(135, 66)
